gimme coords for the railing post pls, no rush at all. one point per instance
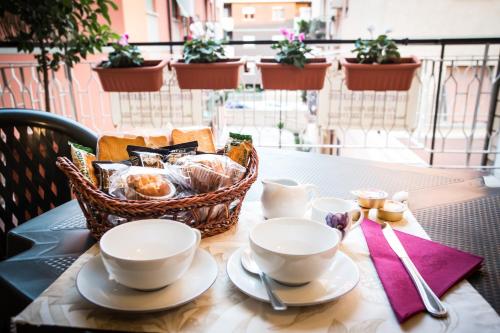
(492, 112)
(72, 99)
(478, 100)
(436, 107)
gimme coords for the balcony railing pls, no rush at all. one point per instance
(450, 116)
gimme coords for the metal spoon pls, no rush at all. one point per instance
(250, 266)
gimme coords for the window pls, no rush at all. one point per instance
(248, 38)
(228, 35)
(150, 6)
(248, 13)
(152, 21)
(227, 10)
(305, 13)
(278, 13)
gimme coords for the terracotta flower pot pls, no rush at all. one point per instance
(288, 77)
(148, 77)
(223, 74)
(379, 77)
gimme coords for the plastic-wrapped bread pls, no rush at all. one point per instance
(144, 183)
(210, 172)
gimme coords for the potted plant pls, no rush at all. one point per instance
(126, 70)
(378, 66)
(204, 65)
(63, 31)
(291, 69)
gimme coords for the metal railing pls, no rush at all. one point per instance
(448, 118)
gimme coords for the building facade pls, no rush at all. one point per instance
(261, 20)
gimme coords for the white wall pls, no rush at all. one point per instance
(424, 19)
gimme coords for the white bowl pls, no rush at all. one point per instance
(149, 254)
(294, 251)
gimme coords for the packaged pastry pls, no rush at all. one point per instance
(156, 157)
(179, 150)
(238, 148)
(204, 137)
(105, 169)
(148, 187)
(210, 172)
(82, 158)
(143, 183)
(147, 159)
(114, 147)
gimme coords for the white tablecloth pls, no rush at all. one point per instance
(223, 308)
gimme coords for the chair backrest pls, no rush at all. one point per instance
(30, 142)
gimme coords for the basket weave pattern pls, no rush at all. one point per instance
(211, 213)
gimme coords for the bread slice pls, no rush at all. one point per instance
(204, 137)
(114, 147)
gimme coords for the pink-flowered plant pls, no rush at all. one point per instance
(123, 39)
(284, 32)
(292, 49)
(123, 54)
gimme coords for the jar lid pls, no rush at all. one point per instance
(370, 193)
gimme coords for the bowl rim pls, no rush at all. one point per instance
(159, 258)
(314, 202)
(282, 220)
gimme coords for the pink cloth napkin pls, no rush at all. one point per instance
(441, 267)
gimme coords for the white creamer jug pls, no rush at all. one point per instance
(286, 198)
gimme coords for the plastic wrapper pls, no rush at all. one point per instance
(156, 157)
(238, 148)
(105, 169)
(210, 172)
(143, 183)
(82, 158)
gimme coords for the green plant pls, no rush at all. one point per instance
(317, 29)
(381, 50)
(201, 47)
(304, 26)
(123, 55)
(292, 49)
(202, 51)
(62, 30)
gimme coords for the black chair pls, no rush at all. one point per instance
(30, 142)
(39, 245)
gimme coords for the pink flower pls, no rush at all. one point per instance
(123, 41)
(189, 37)
(302, 37)
(291, 36)
(284, 32)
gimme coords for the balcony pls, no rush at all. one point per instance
(449, 118)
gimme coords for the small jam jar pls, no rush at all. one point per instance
(392, 211)
(370, 198)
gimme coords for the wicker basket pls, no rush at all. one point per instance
(211, 213)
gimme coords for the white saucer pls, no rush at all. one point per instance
(94, 285)
(340, 278)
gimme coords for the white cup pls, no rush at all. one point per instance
(344, 216)
(293, 251)
(149, 254)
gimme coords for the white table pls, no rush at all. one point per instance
(223, 308)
